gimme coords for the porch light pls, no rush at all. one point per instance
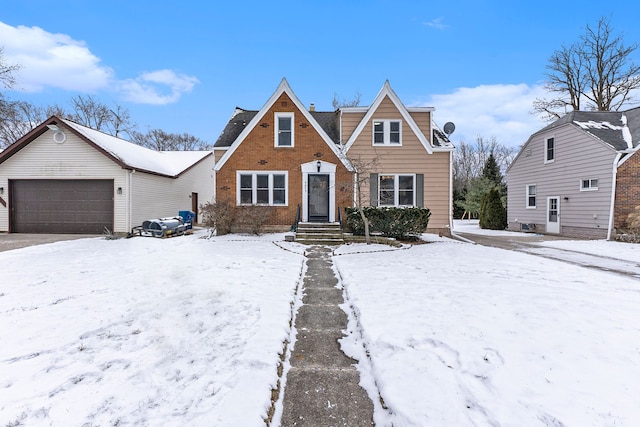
(119, 190)
(319, 165)
(1, 190)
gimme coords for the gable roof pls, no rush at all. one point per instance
(607, 126)
(387, 91)
(236, 131)
(620, 130)
(328, 121)
(126, 154)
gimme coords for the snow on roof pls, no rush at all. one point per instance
(170, 163)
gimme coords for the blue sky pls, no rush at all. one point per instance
(185, 66)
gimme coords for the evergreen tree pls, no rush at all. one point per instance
(491, 170)
(493, 215)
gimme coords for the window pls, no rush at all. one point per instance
(531, 196)
(262, 188)
(284, 130)
(550, 150)
(387, 132)
(396, 190)
(590, 184)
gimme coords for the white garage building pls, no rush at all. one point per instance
(66, 178)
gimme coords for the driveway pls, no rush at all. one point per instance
(530, 243)
(9, 241)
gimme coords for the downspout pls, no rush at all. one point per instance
(450, 192)
(613, 194)
(130, 199)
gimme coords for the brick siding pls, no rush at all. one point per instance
(627, 190)
(257, 153)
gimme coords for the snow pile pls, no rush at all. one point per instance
(144, 331)
(464, 335)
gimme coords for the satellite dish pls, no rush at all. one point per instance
(449, 127)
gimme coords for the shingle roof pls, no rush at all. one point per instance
(236, 125)
(608, 126)
(328, 121)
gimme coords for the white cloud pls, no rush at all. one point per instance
(150, 88)
(52, 60)
(58, 61)
(436, 23)
(500, 111)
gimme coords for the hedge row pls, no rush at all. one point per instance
(399, 223)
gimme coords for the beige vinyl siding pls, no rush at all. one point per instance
(578, 156)
(74, 159)
(410, 158)
(349, 123)
(423, 120)
(158, 196)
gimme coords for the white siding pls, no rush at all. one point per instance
(74, 159)
(577, 156)
(155, 196)
(144, 196)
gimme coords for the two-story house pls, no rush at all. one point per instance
(301, 160)
(564, 179)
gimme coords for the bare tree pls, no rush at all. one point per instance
(339, 102)
(361, 182)
(91, 112)
(157, 139)
(597, 70)
(7, 72)
(470, 159)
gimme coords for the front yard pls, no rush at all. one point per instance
(188, 331)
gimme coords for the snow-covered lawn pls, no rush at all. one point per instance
(463, 335)
(188, 331)
(144, 331)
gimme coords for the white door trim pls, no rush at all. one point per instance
(311, 168)
(553, 226)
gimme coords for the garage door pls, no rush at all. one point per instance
(61, 206)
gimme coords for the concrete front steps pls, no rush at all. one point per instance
(316, 233)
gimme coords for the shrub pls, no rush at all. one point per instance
(493, 215)
(219, 215)
(253, 218)
(399, 223)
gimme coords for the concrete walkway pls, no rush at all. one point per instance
(322, 384)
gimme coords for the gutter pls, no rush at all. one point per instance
(613, 194)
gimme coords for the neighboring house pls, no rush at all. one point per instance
(66, 178)
(563, 181)
(301, 160)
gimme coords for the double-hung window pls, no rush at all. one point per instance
(550, 150)
(284, 129)
(387, 132)
(397, 190)
(531, 196)
(590, 184)
(262, 188)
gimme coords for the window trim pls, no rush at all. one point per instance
(590, 187)
(386, 133)
(276, 136)
(396, 192)
(546, 149)
(528, 195)
(254, 187)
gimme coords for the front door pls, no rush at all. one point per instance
(553, 215)
(318, 198)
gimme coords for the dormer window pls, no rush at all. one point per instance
(284, 130)
(387, 132)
